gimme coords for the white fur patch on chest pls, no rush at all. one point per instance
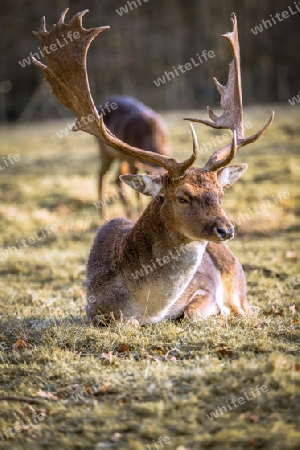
(220, 298)
(171, 286)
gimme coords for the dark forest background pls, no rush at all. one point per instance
(147, 41)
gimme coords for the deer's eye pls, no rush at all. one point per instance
(182, 200)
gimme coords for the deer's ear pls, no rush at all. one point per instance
(145, 184)
(229, 175)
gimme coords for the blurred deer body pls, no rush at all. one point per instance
(170, 262)
(137, 125)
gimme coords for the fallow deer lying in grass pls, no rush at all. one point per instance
(185, 216)
(137, 125)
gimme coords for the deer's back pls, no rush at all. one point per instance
(103, 276)
(106, 247)
(136, 124)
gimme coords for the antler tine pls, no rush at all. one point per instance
(42, 26)
(190, 161)
(232, 104)
(62, 16)
(254, 137)
(195, 142)
(171, 165)
(229, 151)
(77, 18)
(184, 165)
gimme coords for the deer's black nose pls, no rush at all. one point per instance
(225, 233)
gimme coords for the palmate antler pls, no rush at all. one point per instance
(66, 70)
(67, 75)
(232, 104)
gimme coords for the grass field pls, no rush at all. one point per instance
(155, 387)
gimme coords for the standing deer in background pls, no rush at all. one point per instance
(137, 125)
(170, 261)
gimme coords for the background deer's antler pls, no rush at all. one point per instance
(232, 104)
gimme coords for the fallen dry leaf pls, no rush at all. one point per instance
(123, 348)
(251, 417)
(88, 390)
(260, 325)
(102, 390)
(272, 312)
(226, 351)
(158, 351)
(107, 356)
(20, 344)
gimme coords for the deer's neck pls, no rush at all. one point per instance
(159, 263)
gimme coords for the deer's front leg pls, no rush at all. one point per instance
(238, 304)
(203, 305)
